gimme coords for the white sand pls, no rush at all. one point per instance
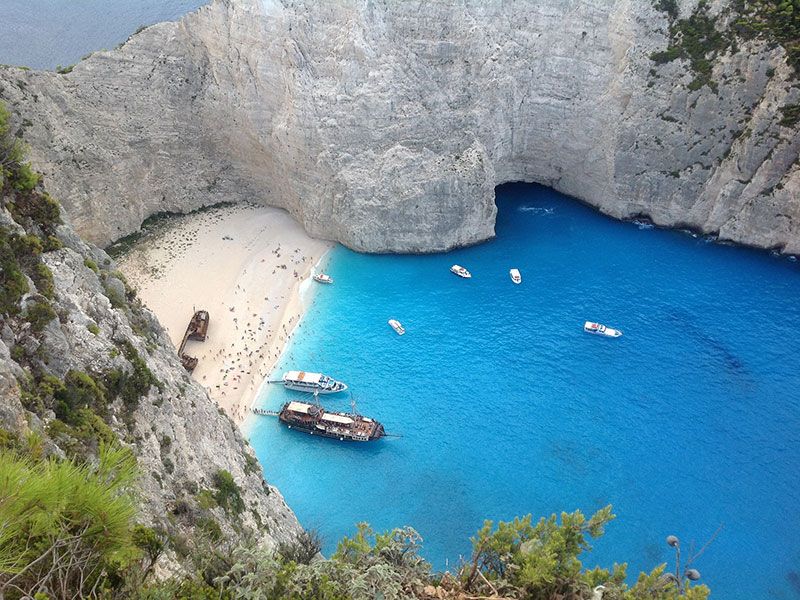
(244, 265)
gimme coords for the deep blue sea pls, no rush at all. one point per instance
(688, 423)
(42, 34)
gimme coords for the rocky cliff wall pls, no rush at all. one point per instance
(81, 361)
(386, 125)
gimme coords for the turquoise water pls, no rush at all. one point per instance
(42, 34)
(505, 407)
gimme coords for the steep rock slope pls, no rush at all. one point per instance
(387, 125)
(82, 362)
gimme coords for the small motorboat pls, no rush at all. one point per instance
(600, 329)
(323, 278)
(303, 381)
(460, 271)
(395, 324)
(515, 276)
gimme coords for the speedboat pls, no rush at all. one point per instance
(303, 381)
(600, 329)
(515, 276)
(395, 324)
(323, 278)
(460, 271)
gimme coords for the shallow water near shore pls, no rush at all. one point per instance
(506, 407)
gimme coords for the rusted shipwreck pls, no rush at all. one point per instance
(197, 330)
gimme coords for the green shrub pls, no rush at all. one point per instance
(40, 209)
(250, 464)
(39, 315)
(42, 278)
(206, 500)
(210, 527)
(13, 284)
(131, 387)
(64, 525)
(93, 328)
(790, 115)
(79, 391)
(88, 262)
(228, 494)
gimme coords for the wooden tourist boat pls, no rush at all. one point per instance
(315, 420)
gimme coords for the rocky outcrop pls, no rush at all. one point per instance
(386, 125)
(181, 440)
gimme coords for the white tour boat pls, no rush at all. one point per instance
(395, 324)
(460, 271)
(323, 278)
(600, 329)
(515, 276)
(303, 381)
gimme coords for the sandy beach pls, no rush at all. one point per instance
(243, 264)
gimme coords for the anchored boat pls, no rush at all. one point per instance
(600, 329)
(515, 276)
(395, 324)
(323, 278)
(460, 271)
(315, 420)
(318, 383)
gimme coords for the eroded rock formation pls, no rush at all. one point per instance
(386, 125)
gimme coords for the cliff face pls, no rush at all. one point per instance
(81, 361)
(386, 125)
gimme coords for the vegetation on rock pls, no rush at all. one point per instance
(701, 37)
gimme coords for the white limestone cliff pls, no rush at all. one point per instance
(387, 125)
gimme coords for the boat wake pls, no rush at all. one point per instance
(537, 210)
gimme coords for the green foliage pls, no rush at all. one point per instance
(206, 500)
(88, 262)
(665, 56)
(700, 40)
(93, 328)
(13, 169)
(39, 314)
(303, 548)
(668, 6)
(772, 20)
(541, 560)
(64, 524)
(790, 115)
(251, 464)
(228, 494)
(38, 209)
(151, 542)
(516, 560)
(696, 39)
(13, 284)
(64, 70)
(131, 386)
(655, 586)
(30, 446)
(42, 278)
(78, 391)
(209, 526)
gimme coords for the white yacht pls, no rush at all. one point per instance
(323, 278)
(303, 381)
(515, 276)
(395, 324)
(460, 271)
(600, 329)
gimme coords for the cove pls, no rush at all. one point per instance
(506, 407)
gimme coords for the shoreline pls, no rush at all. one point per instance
(243, 263)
